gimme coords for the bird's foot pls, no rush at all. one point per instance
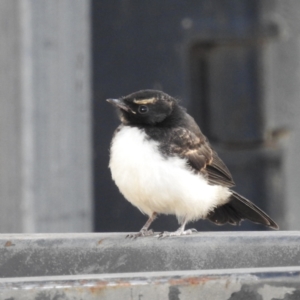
(165, 234)
(142, 233)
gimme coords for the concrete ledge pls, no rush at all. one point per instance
(100, 253)
(218, 265)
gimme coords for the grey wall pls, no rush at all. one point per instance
(45, 124)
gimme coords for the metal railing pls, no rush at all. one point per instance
(222, 265)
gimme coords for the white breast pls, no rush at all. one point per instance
(154, 183)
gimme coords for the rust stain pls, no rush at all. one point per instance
(98, 287)
(190, 281)
(100, 241)
(9, 244)
(95, 289)
(101, 286)
(92, 290)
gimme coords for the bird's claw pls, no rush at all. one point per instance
(165, 234)
(141, 233)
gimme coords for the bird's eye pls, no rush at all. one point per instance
(143, 109)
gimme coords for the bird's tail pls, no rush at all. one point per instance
(237, 209)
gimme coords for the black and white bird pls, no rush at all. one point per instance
(163, 164)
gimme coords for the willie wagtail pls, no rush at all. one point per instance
(163, 164)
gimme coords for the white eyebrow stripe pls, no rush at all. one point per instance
(146, 101)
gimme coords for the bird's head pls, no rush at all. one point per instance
(146, 107)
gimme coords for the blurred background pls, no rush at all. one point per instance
(235, 64)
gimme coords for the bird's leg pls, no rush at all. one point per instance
(144, 231)
(178, 232)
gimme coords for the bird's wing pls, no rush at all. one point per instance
(217, 171)
(195, 148)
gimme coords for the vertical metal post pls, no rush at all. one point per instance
(45, 152)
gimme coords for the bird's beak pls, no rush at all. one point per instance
(119, 103)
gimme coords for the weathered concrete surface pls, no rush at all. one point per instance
(222, 265)
(254, 284)
(100, 253)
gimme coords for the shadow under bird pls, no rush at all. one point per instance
(163, 164)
